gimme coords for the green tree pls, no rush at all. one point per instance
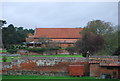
(117, 52)
(98, 27)
(89, 44)
(9, 35)
(14, 35)
(96, 37)
(45, 40)
(2, 22)
(52, 47)
(111, 42)
(70, 49)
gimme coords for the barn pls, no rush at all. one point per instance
(61, 36)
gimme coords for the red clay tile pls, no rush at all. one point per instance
(58, 32)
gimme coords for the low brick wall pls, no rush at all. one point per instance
(100, 65)
(95, 66)
(22, 72)
(51, 65)
(95, 70)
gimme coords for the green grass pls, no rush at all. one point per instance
(60, 55)
(5, 51)
(9, 58)
(16, 57)
(42, 77)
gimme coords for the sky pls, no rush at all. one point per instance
(58, 14)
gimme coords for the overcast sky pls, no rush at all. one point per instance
(58, 14)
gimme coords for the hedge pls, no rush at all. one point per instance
(12, 51)
(36, 49)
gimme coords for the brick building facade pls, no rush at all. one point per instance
(61, 36)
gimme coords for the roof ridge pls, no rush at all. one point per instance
(58, 28)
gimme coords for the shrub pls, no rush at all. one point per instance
(49, 50)
(70, 50)
(3, 51)
(53, 48)
(12, 51)
(4, 59)
(36, 49)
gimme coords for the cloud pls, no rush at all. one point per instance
(58, 14)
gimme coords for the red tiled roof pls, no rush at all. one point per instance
(58, 32)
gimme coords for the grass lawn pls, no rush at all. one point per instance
(60, 55)
(9, 58)
(1, 51)
(42, 77)
(16, 57)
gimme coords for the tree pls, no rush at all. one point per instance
(95, 37)
(117, 52)
(70, 49)
(9, 36)
(14, 35)
(111, 42)
(89, 44)
(45, 41)
(105, 32)
(52, 47)
(2, 22)
(99, 27)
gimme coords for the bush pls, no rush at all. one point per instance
(70, 50)
(49, 50)
(12, 51)
(53, 48)
(3, 51)
(4, 59)
(36, 49)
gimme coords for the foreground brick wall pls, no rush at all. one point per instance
(113, 71)
(59, 66)
(56, 65)
(30, 69)
(100, 65)
(94, 70)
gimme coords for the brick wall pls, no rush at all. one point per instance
(94, 70)
(46, 64)
(56, 65)
(113, 71)
(105, 65)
